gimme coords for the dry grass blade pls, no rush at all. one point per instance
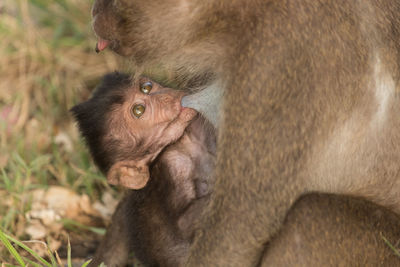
(392, 247)
(47, 65)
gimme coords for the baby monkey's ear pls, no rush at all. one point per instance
(129, 173)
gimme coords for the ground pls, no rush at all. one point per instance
(49, 188)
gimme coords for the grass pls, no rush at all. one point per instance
(47, 64)
(23, 261)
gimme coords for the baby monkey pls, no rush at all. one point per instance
(137, 121)
(127, 125)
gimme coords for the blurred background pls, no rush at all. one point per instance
(49, 188)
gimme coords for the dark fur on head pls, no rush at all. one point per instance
(90, 116)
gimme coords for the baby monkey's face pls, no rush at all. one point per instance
(150, 118)
(153, 105)
(154, 115)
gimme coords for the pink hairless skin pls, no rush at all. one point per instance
(101, 45)
(150, 118)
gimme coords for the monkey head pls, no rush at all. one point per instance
(122, 24)
(105, 24)
(126, 125)
(163, 33)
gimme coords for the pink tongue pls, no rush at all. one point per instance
(101, 45)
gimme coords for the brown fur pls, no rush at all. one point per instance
(311, 102)
(320, 230)
(157, 222)
(328, 230)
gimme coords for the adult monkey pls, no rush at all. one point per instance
(310, 103)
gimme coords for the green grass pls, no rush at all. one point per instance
(40, 261)
(47, 65)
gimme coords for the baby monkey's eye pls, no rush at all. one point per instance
(146, 87)
(138, 110)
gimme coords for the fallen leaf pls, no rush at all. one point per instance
(36, 230)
